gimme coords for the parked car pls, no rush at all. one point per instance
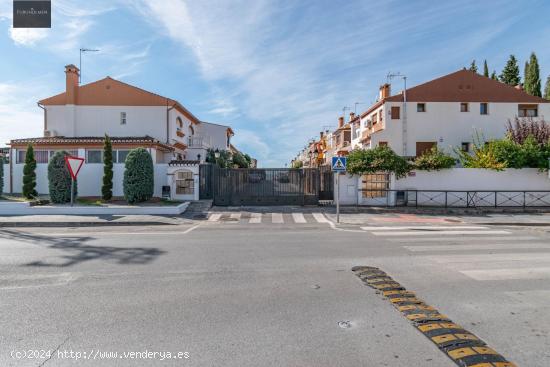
(255, 176)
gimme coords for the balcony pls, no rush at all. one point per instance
(200, 142)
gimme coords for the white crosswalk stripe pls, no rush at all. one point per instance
(298, 218)
(458, 239)
(271, 218)
(479, 246)
(255, 218)
(277, 218)
(214, 217)
(509, 274)
(320, 218)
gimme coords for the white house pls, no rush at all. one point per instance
(448, 112)
(77, 120)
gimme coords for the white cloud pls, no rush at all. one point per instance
(28, 36)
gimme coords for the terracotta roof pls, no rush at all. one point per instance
(465, 86)
(62, 140)
(112, 92)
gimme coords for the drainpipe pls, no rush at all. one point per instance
(45, 115)
(168, 109)
(404, 123)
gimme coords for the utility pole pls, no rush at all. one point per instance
(80, 64)
(389, 77)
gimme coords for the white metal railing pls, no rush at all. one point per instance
(196, 141)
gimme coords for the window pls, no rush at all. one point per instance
(94, 156)
(527, 110)
(381, 115)
(123, 118)
(465, 146)
(21, 156)
(121, 155)
(374, 119)
(395, 113)
(464, 107)
(420, 107)
(184, 183)
(191, 130)
(41, 156)
(483, 108)
(424, 146)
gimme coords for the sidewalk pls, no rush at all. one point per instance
(89, 220)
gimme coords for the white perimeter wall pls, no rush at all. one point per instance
(457, 179)
(90, 179)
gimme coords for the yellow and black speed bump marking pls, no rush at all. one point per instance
(463, 347)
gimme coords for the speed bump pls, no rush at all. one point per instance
(460, 345)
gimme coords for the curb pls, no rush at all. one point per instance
(82, 224)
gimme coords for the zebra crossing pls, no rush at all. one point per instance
(268, 218)
(480, 253)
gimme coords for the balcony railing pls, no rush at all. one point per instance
(199, 142)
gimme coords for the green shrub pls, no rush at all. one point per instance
(59, 179)
(107, 187)
(382, 158)
(223, 161)
(138, 176)
(434, 160)
(29, 174)
(240, 160)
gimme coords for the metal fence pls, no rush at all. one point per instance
(456, 199)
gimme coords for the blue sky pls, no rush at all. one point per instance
(277, 71)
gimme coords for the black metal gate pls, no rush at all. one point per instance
(266, 186)
(326, 183)
(205, 181)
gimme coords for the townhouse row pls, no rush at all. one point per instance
(77, 120)
(448, 112)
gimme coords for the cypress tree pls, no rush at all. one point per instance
(532, 77)
(485, 69)
(107, 188)
(473, 66)
(526, 77)
(494, 75)
(510, 73)
(29, 174)
(547, 88)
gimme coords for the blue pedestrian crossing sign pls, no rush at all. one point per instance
(339, 164)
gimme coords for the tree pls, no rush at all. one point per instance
(494, 75)
(434, 160)
(223, 160)
(240, 160)
(381, 158)
(532, 76)
(139, 182)
(525, 74)
(107, 188)
(510, 73)
(547, 88)
(59, 179)
(473, 66)
(29, 174)
(485, 69)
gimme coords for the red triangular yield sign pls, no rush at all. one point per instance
(74, 164)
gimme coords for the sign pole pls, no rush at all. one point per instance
(72, 191)
(337, 197)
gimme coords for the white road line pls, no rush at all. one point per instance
(372, 228)
(298, 218)
(509, 274)
(435, 233)
(152, 233)
(490, 259)
(481, 246)
(460, 239)
(255, 218)
(236, 216)
(214, 217)
(277, 218)
(320, 218)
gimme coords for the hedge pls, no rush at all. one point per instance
(59, 179)
(138, 181)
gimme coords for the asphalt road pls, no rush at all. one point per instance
(232, 293)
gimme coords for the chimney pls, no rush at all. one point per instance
(340, 121)
(519, 87)
(71, 83)
(384, 91)
(351, 116)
